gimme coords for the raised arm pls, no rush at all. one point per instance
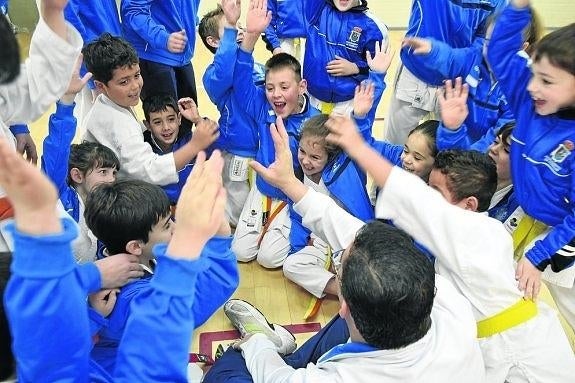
(61, 131)
(45, 75)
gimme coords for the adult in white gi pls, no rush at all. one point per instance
(521, 340)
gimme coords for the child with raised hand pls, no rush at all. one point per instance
(76, 169)
(38, 232)
(264, 224)
(112, 121)
(163, 117)
(542, 97)
(339, 34)
(238, 131)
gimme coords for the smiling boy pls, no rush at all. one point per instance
(113, 123)
(165, 134)
(264, 224)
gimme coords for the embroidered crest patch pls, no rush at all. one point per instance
(354, 37)
(562, 151)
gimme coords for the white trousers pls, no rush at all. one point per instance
(274, 246)
(306, 268)
(235, 180)
(534, 351)
(412, 101)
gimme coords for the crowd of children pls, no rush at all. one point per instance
(132, 236)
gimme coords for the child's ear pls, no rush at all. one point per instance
(134, 247)
(100, 86)
(302, 86)
(471, 203)
(179, 118)
(76, 176)
(147, 125)
(213, 41)
(343, 309)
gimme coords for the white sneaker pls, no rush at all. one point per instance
(249, 320)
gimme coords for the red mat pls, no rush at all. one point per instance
(209, 340)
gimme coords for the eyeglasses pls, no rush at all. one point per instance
(336, 261)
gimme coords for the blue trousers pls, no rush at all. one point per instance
(231, 367)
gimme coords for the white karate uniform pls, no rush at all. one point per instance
(475, 253)
(449, 352)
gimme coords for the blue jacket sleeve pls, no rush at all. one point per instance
(137, 14)
(46, 305)
(218, 282)
(555, 249)
(56, 148)
(451, 62)
(19, 129)
(175, 287)
(271, 34)
(218, 78)
(245, 92)
(510, 68)
(452, 139)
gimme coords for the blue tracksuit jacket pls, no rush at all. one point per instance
(456, 22)
(46, 304)
(488, 108)
(542, 159)
(288, 21)
(346, 34)
(147, 25)
(56, 153)
(256, 105)
(238, 131)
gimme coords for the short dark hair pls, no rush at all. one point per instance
(10, 53)
(123, 211)
(429, 130)
(505, 131)
(210, 26)
(469, 174)
(315, 127)
(107, 53)
(389, 286)
(88, 156)
(281, 61)
(158, 103)
(559, 49)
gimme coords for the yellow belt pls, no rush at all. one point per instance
(527, 230)
(326, 107)
(513, 316)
